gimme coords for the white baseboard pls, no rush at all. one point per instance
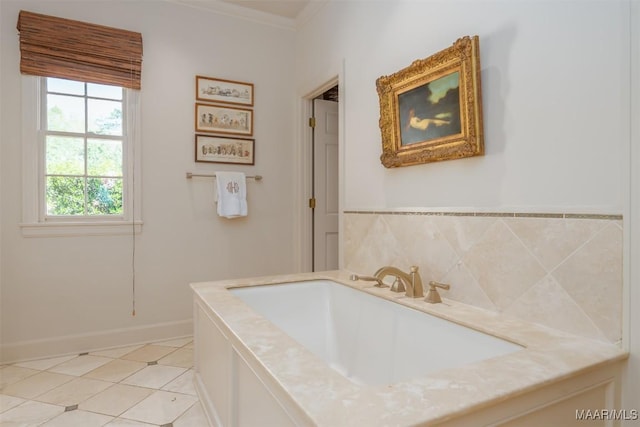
(101, 340)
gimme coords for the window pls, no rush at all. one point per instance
(80, 143)
(83, 139)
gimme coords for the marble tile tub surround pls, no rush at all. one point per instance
(563, 271)
(330, 399)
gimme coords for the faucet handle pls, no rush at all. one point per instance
(379, 283)
(433, 296)
(434, 285)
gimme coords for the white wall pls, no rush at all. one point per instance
(631, 391)
(1, 61)
(554, 82)
(75, 293)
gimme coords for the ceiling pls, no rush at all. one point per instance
(285, 8)
(289, 14)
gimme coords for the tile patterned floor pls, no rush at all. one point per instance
(136, 386)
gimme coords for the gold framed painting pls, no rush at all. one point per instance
(432, 110)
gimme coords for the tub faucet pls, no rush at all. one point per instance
(410, 283)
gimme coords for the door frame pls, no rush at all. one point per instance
(303, 178)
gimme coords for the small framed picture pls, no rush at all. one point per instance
(223, 149)
(218, 119)
(210, 89)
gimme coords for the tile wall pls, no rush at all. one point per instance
(559, 270)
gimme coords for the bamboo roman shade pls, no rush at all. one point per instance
(58, 47)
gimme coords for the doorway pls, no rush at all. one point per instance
(325, 184)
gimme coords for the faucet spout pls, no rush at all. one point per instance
(412, 281)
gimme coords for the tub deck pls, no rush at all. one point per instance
(503, 388)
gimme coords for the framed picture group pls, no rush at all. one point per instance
(224, 121)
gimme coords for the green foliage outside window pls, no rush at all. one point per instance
(65, 196)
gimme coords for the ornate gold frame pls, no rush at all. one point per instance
(464, 139)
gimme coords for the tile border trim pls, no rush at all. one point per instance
(495, 214)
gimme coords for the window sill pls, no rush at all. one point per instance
(71, 229)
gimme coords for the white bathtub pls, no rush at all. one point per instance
(367, 339)
(329, 352)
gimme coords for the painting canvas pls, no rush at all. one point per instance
(430, 111)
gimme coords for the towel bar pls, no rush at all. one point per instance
(191, 175)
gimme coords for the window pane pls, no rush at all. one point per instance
(65, 195)
(83, 149)
(65, 113)
(64, 155)
(104, 157)
(65, 86)
(104, 91)
(104, 196)
(105, 117)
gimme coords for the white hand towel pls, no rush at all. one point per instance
(232, 194)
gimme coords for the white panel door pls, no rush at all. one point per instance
(325, 185)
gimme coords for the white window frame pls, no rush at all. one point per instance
(34, 221)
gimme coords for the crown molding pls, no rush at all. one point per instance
(228, 9)
(309, 11)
